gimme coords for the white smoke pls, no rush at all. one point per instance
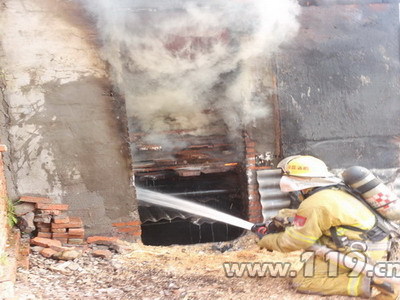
(187, 64)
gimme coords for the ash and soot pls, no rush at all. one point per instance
(191, 64)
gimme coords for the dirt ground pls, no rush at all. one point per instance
(148, 272)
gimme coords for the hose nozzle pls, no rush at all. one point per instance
(260, 229)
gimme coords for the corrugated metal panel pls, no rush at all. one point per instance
(271, 197)
(156, 213)
(397, 186)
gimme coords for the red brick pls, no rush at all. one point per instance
(43, 242)
(44, 230)
(45, 206)
(61, 240)
(73, 223)
(61, 219)
(250, 144)
(46, 235)
(255, 213)
(76, 236)
(76, 231)
(128, 229)
(251, 153)
(131, 223)
(136, 233)
(76, 220)
(32, 199)
(48, 252)
(60, 235)
(256, 219)
(254, 198)
(65, 225)
(253, 193)
(255, 204)
(255, 208)
(101, 240)
(59, 230)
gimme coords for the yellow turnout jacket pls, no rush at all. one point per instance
(316, 215)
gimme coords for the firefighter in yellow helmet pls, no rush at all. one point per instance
(330, 216)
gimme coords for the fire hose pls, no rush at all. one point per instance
(358, 266)
(272, 226)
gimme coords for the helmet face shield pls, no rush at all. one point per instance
(291, 184)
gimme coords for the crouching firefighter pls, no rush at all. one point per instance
(330, 214)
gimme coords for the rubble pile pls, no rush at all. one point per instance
(43, 218)
(97, 246)
(55, 235)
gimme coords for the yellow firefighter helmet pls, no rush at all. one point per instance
(304, 166)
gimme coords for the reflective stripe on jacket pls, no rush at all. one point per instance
(318, 213)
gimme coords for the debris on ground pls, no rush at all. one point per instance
(49, 220)
(136, 271)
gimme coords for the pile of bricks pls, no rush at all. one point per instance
(52, 221)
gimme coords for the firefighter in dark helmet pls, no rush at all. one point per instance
(330, 216)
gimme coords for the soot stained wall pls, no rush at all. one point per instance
(65, 132)
(339, 86)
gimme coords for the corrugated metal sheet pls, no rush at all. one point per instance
(397, 186)
(271, 197)
(150, 213)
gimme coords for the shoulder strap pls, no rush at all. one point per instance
(378, 232)
(340, 241)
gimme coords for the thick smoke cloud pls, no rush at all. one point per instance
(187, 64)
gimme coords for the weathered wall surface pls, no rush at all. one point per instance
(65, 133)
(339, 85)
(4, 284)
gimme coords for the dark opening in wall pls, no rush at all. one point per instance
(222, 191)
(184, 232)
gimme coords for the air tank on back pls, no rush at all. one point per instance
(374, 191)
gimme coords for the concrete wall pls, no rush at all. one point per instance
(66, 133)
(339, 85)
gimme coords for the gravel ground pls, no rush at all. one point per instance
(146, 272)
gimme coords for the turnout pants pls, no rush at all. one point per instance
(323, 278)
